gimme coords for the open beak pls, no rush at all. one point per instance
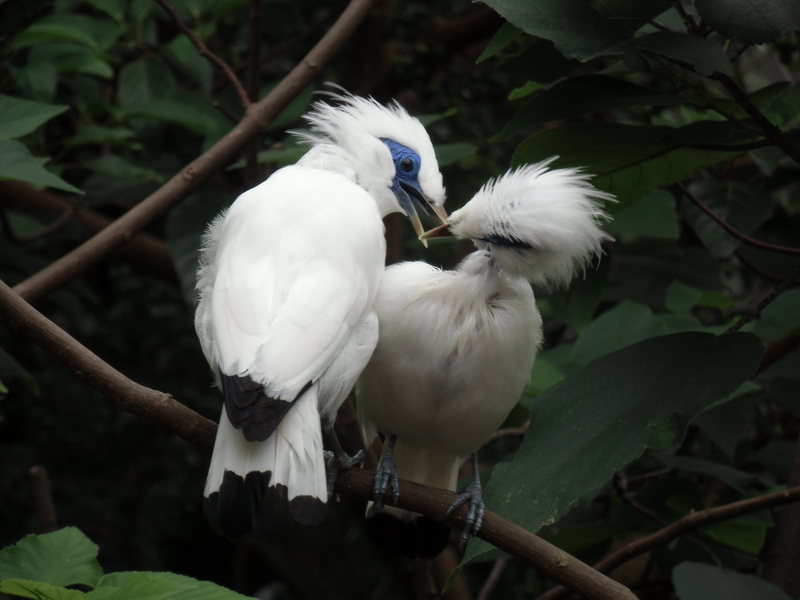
(437, 232)
(417, 200)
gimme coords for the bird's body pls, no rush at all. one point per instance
(456, 348)
(287, 280)
(451, 318)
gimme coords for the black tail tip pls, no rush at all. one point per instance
(245, 505)
(418, 538)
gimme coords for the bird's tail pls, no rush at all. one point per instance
(262, 487)
(408, 533)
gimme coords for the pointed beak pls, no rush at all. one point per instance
(437, 232)
(411, 198)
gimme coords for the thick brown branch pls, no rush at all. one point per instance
(731, 230)
(161, 408)
(258, 115)
(142, 250)
(137, 399)
(206, 53)
(690, 522)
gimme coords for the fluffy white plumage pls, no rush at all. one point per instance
(456, 348)
(287, 280)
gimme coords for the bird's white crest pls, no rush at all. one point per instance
(549, 220)
(355, 126)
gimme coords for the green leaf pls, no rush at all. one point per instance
(132, 585)
(744, 533)
(604, 416)
(653, 216)
(630, 14)
(37, 590)
(96, 34)
(121, 168)
(697, 581)
(741, 205)
(574, 27)
(447, 154)
(623, 325)
(502, 38)
(19, 117)
(185, 55)
(18, 164)
(97, 134)
(703, 55)
(626, 160)
(61, 558)
(752, 22)
(781, 317)
(145, 80)
(581, 95)
(734, 478)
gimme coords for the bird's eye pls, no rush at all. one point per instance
(407, 164)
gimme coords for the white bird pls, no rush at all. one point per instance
(286, 282)
(456, 348)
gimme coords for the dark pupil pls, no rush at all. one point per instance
(407, 164)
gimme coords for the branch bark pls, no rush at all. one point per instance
(677, 528)
(215, 60)
(161, 408)
(257, 116)
(143, 250)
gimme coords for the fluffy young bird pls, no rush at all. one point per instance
(456, 348)
(287, 280)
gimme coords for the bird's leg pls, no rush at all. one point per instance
(338, 459)
(477, 509)
(386, 473)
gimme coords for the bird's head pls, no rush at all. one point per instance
(539, 223)
(388, 150)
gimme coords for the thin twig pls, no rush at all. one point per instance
(62, 219)
(677, 528)
(510, 432)
(43, 499)
(206, 53)
(161, 408)
(257, 116)
(771, 131)
(766, 301)
(493, 579)
(225, 112)
(731, 230)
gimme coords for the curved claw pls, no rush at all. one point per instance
(477, 508)
(386, 474)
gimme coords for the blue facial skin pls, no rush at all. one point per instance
(405, 184)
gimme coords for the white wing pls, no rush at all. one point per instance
(288, 273)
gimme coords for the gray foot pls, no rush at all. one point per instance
(386, 475)
(338, 459)
(477, 508)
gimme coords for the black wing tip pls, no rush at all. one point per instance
(250, 409)
(245, 505)
(419, 538)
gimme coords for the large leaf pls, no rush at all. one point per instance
(18, 164)
(573, 26)
(143, 81)
(581, 95)
(744, 207)
(604, 416)
(653, 216)
(703, 55)
(754, 22)
(19, 117)
(96, 34)
(626, 160)
(698, 581)
(134, 585)
(63, 557)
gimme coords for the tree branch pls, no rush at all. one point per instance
(257, 116)
(161, 408)
(735, 232)
(143, 250)
(206, 53)
(771, 131)
(677, 528)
